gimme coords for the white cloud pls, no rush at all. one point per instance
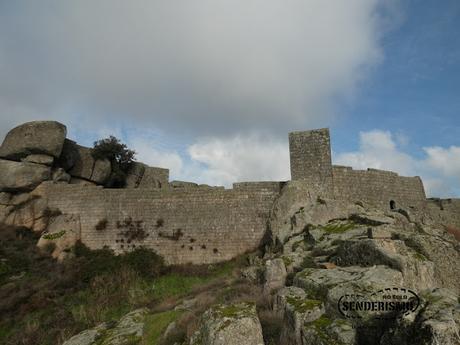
(250, 158)
(216, 161)
(149, 154)
(447, 161)
(204, 66)
(378, 150)
(440, 169)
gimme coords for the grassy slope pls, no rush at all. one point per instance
(43, 302)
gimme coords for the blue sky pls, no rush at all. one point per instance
(415, 91)
(210, 88)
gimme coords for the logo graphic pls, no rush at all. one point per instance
(387, 303)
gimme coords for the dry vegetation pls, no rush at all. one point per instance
(45, 302)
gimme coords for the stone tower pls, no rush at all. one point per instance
(310, 155)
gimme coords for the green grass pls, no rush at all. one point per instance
(338, 228)
(156, 324)
(303, 305)
(176, 285)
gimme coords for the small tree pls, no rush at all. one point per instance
(119, 156)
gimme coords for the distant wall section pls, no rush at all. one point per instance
(378, 187)
(445, 211)
(184, 226)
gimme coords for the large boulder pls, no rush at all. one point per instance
(275, 275)
(326, 331)
(21, 176)
(37, 137)
(331, 284)
(437, 322)
(134, 174)
(88, 168)
(154, 177)
(27, 210)
(300, 206)
(418, 272)
(298, 312)
(235, 324)
(62, 233)
(39, 159)
(68, 155)
(130, 329)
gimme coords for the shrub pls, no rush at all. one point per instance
(144, 261)
(102, 224)
(93, 263)
(119, 156)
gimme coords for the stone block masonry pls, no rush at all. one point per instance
(445, 211)
(310, 158)
(378, 188)
(184, 226)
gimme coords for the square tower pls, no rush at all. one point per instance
(310, 155)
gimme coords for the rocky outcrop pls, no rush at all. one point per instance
(154, 178)
(330, 284)
(299, 311)
(39, 159)
(135, 173)
(28, 210)
(300, 205)
(37, 137)
(129, 330)
(68, 155)
(88, 168)
(235, 324)
(61, 234)
(324, 331)
(418, 272)
(274, 275)
(437, 322)
(22, 176)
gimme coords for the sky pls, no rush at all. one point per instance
(211, 88)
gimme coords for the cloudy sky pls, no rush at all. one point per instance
(210, 88)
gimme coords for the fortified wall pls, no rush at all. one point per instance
(310, 156)
(54, 186)
(184, 226)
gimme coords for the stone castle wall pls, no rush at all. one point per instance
(378, 187)
(310, 158)
(310, 155)
(445, 211)
(271, 186)
(184, 226)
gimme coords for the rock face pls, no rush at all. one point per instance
(437, 322)
(39, 159)
(331, 284)
(135, 174)
(88, 168)
(129, 330)
(68, 155)
(26, 210)
(62, 232)
(235, 324)
(37, 137)
(21, 176)
(274, 275)
(298, 311)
